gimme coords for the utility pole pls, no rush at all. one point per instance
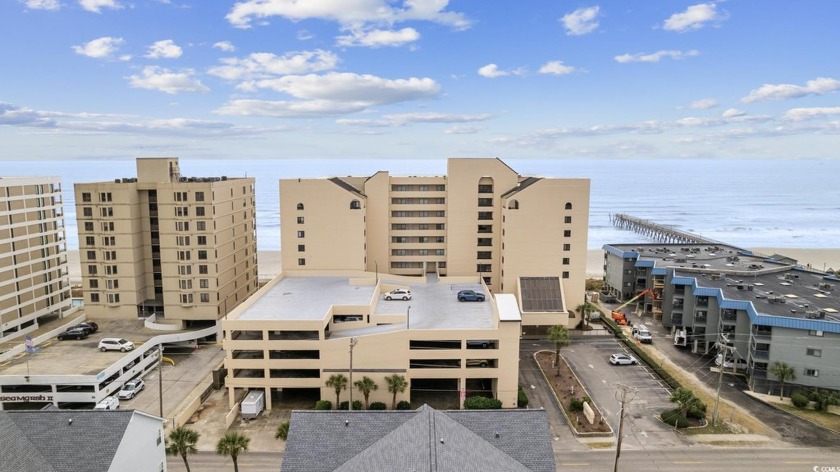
(160, 377)
(353, 342)
(723, 349)
(408, 317)
(625, 390)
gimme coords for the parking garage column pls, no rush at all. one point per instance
(462, 392)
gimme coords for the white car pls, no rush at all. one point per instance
(115, 344)
(623, 359)
(108, 403)
(398, 294)
(130, 389)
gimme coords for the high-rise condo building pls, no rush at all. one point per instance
(181, 248)
(34, 282)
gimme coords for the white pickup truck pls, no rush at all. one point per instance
(641, 333)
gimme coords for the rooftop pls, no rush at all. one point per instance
(716, 257)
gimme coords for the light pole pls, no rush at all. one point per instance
(160, 378)
(353, 342)
(408, 317)
(376, 265)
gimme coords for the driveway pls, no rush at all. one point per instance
(650, 396)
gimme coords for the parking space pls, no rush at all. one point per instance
(642, 427)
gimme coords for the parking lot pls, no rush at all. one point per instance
(589, 359)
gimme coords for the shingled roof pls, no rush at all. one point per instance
(420, 440)
(48, 441)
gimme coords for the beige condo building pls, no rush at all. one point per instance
(481, 219)
(34, 281)
(183, 249)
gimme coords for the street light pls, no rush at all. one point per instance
(353, 342)
(408, 317)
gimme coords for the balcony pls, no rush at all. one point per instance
(761, 355)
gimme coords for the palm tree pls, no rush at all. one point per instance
(182, 441)
(686, 399)
(366, 385)
(783, 372)
(559, 335)
(396, 384)
(339, 383)
(233, 444)
(585, 309)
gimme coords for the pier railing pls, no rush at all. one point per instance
(658, 232)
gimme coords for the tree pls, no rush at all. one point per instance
(396, 384)
(233, 444)
(560, 337)
(366, 385)
(686, 399)
(585, 309)
(783, 372)
(180, 442)
(339, 383)
(282, 431)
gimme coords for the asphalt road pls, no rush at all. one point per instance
(212, 462)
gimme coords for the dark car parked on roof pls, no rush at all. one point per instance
(73, 333)
(89, 327)
(470, 295)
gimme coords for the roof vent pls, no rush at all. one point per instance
(346, 422)
(441, 440)
(497, 434)
(70, 421)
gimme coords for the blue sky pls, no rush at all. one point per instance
(117, 79)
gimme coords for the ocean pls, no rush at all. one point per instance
(747, 203)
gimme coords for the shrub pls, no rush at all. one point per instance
(378, 406)
(799, 400)
(345, 405)
(282, 431)
(671, 417)
(482, 403)
(576, 404)
(323, 405)
(521, 398)
(404, 405)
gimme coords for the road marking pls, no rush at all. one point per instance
(643, 433)
(591, 366)
(571, 464)
(687, 462)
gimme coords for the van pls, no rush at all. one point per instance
(642, 334)
(108, 403)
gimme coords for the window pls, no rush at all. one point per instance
(567, 247)
(182, 225)
(485, 241)
(202, 240)
(203, 283)
(199, 196)
(180, 196)
(182, 240)
(110, 255)
(565, 274)
(485, 215)
(183, 255)
(815, 333)
(112, 284)
(567, 219)
(91, 270)
(484, 188)
(301, 261)
(484, 255)
(86, 197)
(109, 241)
(567, 233)
(513, 205)
(93, 283)
(205, 298)
(200, 226)
(88, 225)
(301, 247)
(568, 205)
(182, 211)
(485, 202)
(202, 255)
(301, 234)
(812, 372)
(110, 270)
(91, 255)
(90, 240)
(300, 220)
(105, 197)
(184, 270)
(185, 284)
(199, 211)
(202, 269)
(565, 261)
(300, 206)
(107, 226)
(813, 352)
(88, 212)
(483, 268)
(94, 297)
(113, 298)
(186, 298)
(106, 212)
(355, 205)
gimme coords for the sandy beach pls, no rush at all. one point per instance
(269, 261)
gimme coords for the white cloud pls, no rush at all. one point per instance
(802, 114)
(347, 12)
(164, 80)
(376, 38)
(491, 71)
(266, 64)
(459, 129)
(304, 35)
(818, 86)
(43, 4)
(332, 93)
(581, 21)
(165, 49)
(96, 6)
(225, 46)
(704, 104)
(656, 56)
(402, 119)
(100, 48)
(733, 113)
(693, 18)
(556, 68)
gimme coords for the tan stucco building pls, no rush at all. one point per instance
(183, 249)
(34, 281)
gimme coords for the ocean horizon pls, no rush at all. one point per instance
(745, 203)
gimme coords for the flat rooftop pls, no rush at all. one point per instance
(434, 305)
(702, 256)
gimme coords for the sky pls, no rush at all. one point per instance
(418, 79)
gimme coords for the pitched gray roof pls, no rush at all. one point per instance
(46, 441)
(421, 440)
